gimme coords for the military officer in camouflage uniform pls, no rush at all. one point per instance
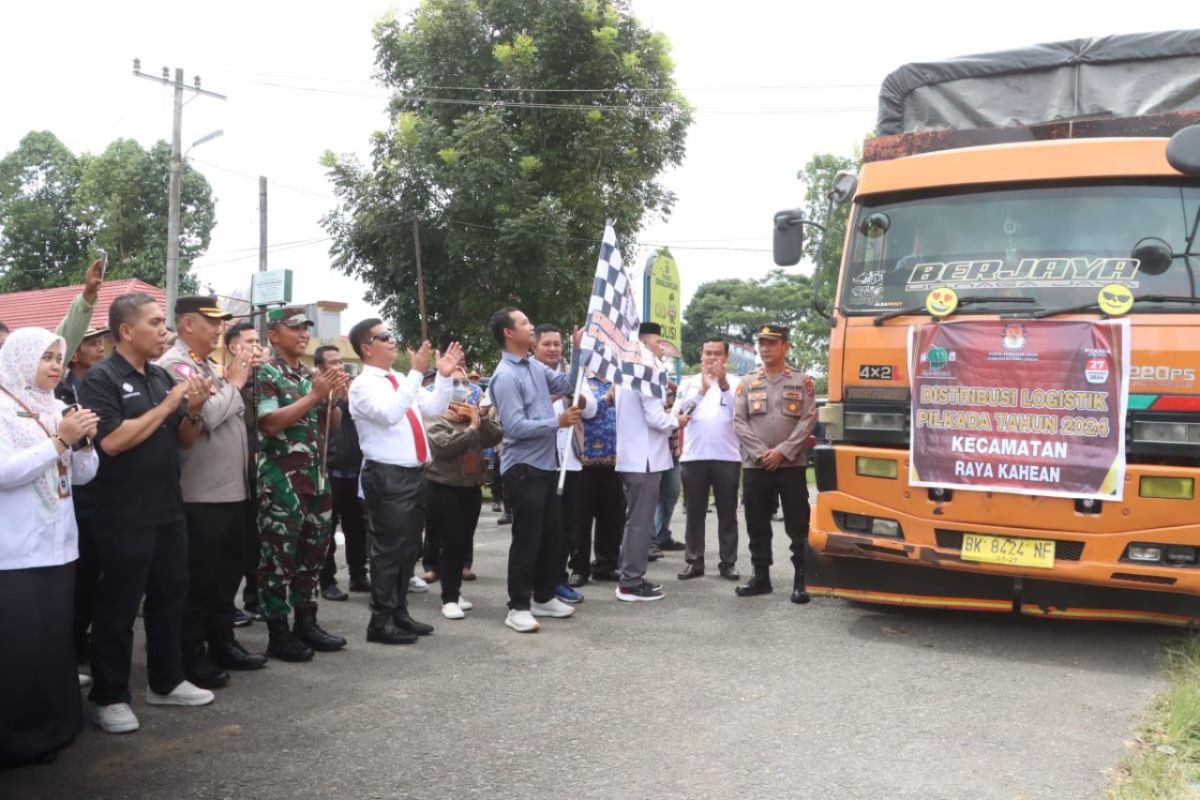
(774, 414)
(294, 503)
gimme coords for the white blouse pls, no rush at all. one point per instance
(27, 540)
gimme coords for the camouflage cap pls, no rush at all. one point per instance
(289, 316)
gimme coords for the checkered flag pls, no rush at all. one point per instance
(610, 345)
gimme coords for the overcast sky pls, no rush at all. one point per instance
(773, 82)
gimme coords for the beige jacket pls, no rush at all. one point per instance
(214, 467)
(457, 450)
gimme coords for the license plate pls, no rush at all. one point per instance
(1006, 550)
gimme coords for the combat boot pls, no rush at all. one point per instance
(759, 583)
(308, 631)
(283, 644)
(799, 594)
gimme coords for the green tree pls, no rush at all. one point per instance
(124, 194)
(41, 238)
(57, 209)
(817, 176)
(736, 309)
(511, 183)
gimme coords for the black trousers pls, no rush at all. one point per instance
(762, 490)
(722, 477)
(533, 556)
(348, 510)
(216, 535)
(394, 500)
(431, 549)
(86, 575)
(569, 503)
(133, 562)
(600, 500)
(39, 696)
(251, 553)
(453, 515)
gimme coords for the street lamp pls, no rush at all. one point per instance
(208, 137)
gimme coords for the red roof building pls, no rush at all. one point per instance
(45, 308)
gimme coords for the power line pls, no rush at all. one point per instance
(324, 196)
(494, 103)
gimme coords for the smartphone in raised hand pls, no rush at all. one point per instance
(103, 263)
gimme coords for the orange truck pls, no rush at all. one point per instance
(1013, 421)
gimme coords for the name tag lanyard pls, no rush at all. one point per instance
(64, 483)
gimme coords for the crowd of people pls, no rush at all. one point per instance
(158, 481)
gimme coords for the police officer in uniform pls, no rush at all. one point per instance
(775, 412)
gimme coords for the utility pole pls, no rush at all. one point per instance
(420, 281)
(176, 174)
(262, 249)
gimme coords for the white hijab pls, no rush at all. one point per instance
(19, 359)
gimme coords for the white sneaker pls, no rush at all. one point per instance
(185, 694)
(464, 603)
(452, 611)
(551, 608)
(522, 622)
(85, 680)
(116, 718)
(417, 585)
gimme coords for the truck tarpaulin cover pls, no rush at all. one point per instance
(1113, 76)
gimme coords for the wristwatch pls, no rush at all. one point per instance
(195, 419)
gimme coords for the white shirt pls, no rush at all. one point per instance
(563, 437)
(26, 539)
(709, 435)
(380, 413)
(643, 433)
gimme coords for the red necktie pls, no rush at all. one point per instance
(418, 434)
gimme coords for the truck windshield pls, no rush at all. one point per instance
(1058, 245)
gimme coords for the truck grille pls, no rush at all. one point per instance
(1063, 550)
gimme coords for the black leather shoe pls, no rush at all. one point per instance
(404, 622)
(759, 583)
(800, 597)
(254, 612)
(360, 585)
(672, 545)
(389, 634)
(576, 580)
(655, 553)
(505, 519)
(308, 631)
(204, 673)
(241, 619)
(332, 592)
(232, 655)
(690, 571)
(606, 575)
(283, 644)
(730, 573)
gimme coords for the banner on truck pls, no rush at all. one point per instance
(1023, 406)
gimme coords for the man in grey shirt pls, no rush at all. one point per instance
(213, 479)
(521, 387)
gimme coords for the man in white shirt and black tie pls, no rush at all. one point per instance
(387, 407)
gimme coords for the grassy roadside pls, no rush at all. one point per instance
(1166, 761)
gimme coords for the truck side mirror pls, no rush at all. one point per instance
(789, 237)
(1183, 150)
(1155, 255)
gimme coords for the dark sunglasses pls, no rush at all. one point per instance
(385, 336)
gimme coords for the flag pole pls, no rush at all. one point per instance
(580, 381)
(562, 459)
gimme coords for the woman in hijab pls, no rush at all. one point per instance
(42, 453)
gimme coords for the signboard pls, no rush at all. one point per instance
(270, 288)
(1023, 406)
(661, 299)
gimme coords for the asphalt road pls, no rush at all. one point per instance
(701, 695)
